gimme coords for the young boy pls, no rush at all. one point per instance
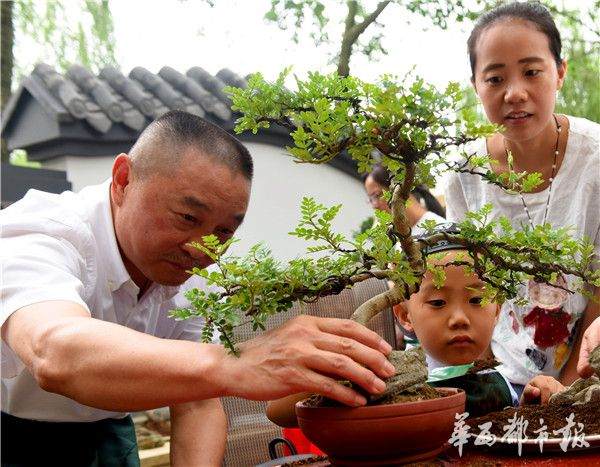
(455, 330)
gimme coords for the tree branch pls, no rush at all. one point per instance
(358, 29)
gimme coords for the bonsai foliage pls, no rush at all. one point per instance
(416, 132)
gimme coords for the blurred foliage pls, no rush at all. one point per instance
(362, 32)
(365, 225)
(62, 37)
(65, 36)
(19, 157)
(580, 94)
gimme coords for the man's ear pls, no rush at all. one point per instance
(121, 177)
(401, 313)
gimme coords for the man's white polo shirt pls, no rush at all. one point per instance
(63, 247)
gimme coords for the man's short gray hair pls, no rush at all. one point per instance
(164, 142)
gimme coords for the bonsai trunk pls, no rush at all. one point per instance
(409, 382)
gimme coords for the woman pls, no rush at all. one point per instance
(516, 71)
(422, 204)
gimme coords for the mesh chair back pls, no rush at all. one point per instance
(249, 429)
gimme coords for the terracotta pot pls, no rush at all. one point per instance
(382, 434)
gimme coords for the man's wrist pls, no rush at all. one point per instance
(213, 369)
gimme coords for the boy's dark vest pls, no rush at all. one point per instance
(486, 391)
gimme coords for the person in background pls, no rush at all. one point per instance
(422, 206)
(517, 70)
(455, 330)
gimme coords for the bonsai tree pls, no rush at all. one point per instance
(416, 132)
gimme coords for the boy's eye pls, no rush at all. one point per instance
(475, 300)
(436, 303)
(532, 72)
(494, 80)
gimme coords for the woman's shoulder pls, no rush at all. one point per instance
(585, 129)
(583, 147)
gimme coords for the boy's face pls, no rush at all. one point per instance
(450, 322)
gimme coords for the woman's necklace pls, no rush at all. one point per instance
(547, 299)
(558, 128)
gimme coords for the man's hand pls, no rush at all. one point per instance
(309, 354)
(591, 340)
(539, 390)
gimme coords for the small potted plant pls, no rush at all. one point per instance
(416, 132)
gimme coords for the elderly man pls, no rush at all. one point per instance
(87, 282)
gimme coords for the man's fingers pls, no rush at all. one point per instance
(545, 393)
(343, 367)
(584, 369)
(358, 352)
(332, 389)
(353, 330)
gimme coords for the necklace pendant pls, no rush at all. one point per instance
(548, 297)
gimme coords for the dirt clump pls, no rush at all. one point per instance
(554, 418)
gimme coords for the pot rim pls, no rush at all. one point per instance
(455, 398)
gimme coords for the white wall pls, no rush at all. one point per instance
(82, 171)
(278, 187)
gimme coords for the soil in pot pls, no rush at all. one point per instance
(417, 393)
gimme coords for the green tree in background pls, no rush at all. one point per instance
(580, 95)
(62, 37)
(362, 33)
(65, 36)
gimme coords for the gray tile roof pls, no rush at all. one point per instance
(133, 101)
(80, 113)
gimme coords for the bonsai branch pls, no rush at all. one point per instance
(372, 307)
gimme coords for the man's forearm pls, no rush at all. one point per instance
(198, 433)
(111, 367)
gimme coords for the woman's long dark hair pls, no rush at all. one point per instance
(382, 176)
